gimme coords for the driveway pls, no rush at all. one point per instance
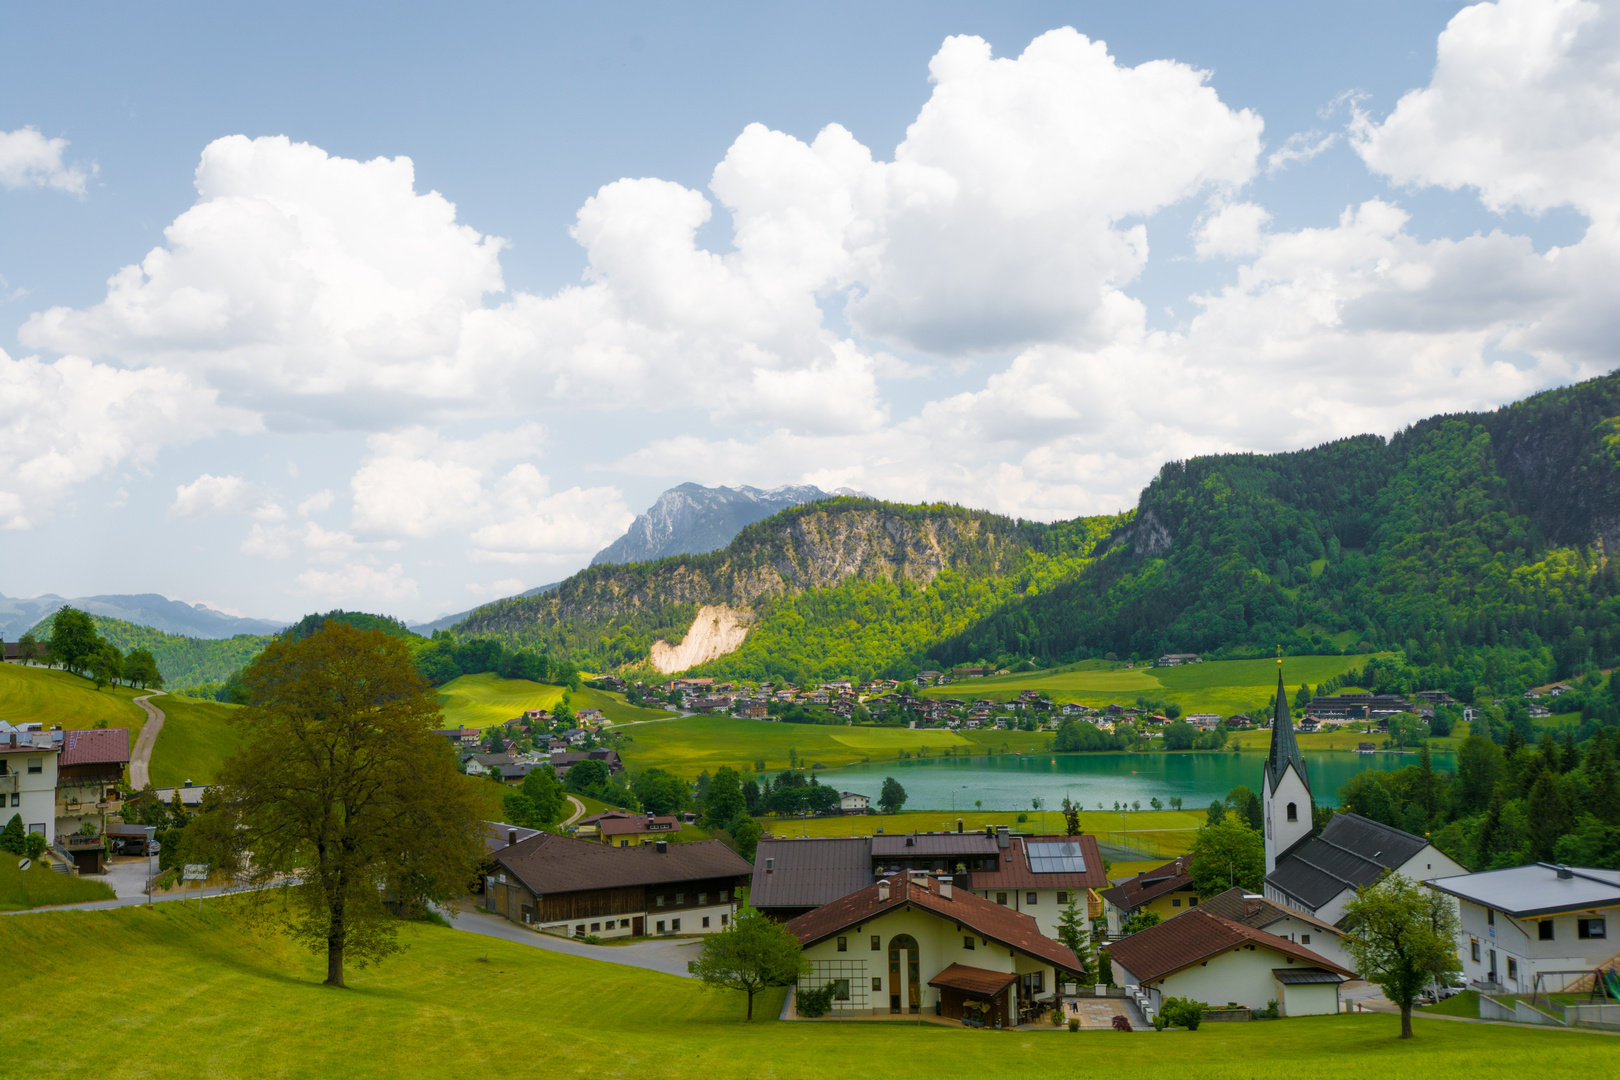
(127, 874)
(669, 955)
(140, 756)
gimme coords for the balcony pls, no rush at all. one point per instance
(8, 783)
(76, 842)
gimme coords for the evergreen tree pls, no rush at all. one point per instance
(1490, 832)
(1426, 791)
(13, 837)
(1075, 932)
(1549, 815)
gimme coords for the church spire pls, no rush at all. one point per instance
(1284, 747)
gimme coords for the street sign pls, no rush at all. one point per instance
(194, 871)
(25, 864)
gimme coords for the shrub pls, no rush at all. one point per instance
(1183, 1012)
(815, 1002)
(34, 845)
(1123, 1023)
(1074, 1023)
(1057, 1017)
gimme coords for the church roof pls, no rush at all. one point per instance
(1352, 851)
(1284, 747)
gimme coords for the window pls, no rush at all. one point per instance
(680, 898)
(1029, 899)
(660, 900)
(624, 843)
(1490, 916)
(609, 925)
(660, 926)
(1590, 928)
(1545, 930)
(1293, 812)
(877, 945)
(16, 798)
(843, 944)
(1193, 902)
(1063, 897)
(1001, 898)
(967, 941)
(1473, 950)
(723, 918)
(703, 898)
(596, 927)
(36, 765)
(674, 926)
(1304, 939)
(877, 984)
(1175, 903)
(579, 931)
(840, 989)
(725, 896)
(705, 922)
(1513, 969)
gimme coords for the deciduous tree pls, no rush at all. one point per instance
(1225, 854)
(750, 955)
(73, 638)
(892, 797)
(1403, 937)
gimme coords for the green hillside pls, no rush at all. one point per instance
(184, 661)
(196, 739)
(485, 700)
(236, 1002)
(34, 694)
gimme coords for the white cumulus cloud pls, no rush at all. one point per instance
(29, 159)
(209, 494)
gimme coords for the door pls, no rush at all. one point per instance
(638, 926)
(904, 974)
(1493, 965)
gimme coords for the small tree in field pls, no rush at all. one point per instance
(892, 797)
(343, 792)
(750, 955)
(1404, 936)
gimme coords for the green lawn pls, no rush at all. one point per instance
(197, 736)
(1159, 824)
(191, 995)
(1220, 686)
(692, 744)
(1463, 1004)
(483, 701)
(40, 886)
(35, 695)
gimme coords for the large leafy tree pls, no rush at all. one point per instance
(723, 803)
(750, 955)
(343, 793)
(1225, 854)
(892, 797)
(1403, 937)
(74, 639)
(140, 669)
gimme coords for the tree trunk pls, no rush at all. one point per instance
(334, 960)
(750, 1004)
(1406, 1020)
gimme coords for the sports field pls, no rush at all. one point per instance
(197, 737)
(188, 995)
(1163, 825)
(484, 701)
(33, 694)
(1218, 686)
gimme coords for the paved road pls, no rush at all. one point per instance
(669, 956)
(141, 756)
(129, 901)
(579, 812)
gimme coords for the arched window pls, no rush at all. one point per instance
(1293, 812)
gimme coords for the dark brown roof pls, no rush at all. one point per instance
(497, 833)
(1013, 869)
(622, 826)
(920, 844)
(806, 872)
(1254, 910)
(559, 864)
(994, 921)
(1196, 936)
(97, 746)
(1149, 885)
(977, 982)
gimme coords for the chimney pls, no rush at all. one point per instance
(958, 825)
(1565, 873)
(883, 891)
(663, 847)
(945, 888)
(1002, 839)
(1140, 874)
(511, 837)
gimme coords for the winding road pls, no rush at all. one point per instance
(140, 756)
(579, 811)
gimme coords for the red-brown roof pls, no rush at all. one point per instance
(994, 921)
(1196, 936)
(95, 746)
(617, 826)
(1150, 884)
(975, 981)
(1013, 869)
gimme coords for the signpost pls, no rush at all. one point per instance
(195, 871)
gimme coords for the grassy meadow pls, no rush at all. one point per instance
(692, 744)
(40, 886)
(1176, 824)
(188, 995)
(197, 736)
(1219, 686)
(484, 701)
(37, 695)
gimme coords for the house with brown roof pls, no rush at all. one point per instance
(1251, 909)
(1218, 961)
(910, 943)
(1166, 891)
(620, 828)
(560, 885)
(88, 772)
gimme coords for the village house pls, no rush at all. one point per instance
(562, 761)
(88, 773)
(851, 803)
(1202, 956)
(1165, 891)
(1538, 919)
(462, 737)
(560, 885)
(484, 764)
(1252, 909)
(1177, 659)
(28, 764)
(1204, 721)
(619, 828)
(910, 943)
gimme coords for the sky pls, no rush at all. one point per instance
(403, 308)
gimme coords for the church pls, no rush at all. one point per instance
(1320, 874)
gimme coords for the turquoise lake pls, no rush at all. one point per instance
(1011, 782)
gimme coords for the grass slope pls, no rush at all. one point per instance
(689, 745)
(40, 886)
(1166, 825)
(203, 996)
(1219, 686)
(34, 694)
(483, 701)
(197, 737)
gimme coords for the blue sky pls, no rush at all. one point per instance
(334, 387)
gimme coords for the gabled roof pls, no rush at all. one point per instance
(900, 845)
(1194, 937)
(1149, 885)
(809, 871)
(497, 833)
(973, 981)
(547, 863)
(97, 746)
(1352, 851)
(1250, 909)
(1014, 871)
(630, 826)
(1539, 889)
(995, 922)
(1284, 747)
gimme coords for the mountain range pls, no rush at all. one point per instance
(692, 519)
(18, 616)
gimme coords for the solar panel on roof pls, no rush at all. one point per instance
(1056, 858)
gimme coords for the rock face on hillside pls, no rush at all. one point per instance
(692, 520)
(715, 632)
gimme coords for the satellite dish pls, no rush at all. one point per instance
(25, 864)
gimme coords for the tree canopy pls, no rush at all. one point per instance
(752, 953)
(1403, 936)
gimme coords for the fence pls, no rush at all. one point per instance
(1126, 847)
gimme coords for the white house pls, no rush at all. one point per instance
(1201, 956)
(851, 803)
(1254, 910)
(1538, 918)
(28, 762)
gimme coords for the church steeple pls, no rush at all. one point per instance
(1284, 747)
(1286, 792)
